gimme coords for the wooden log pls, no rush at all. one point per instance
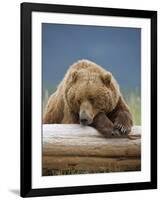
(75, 147)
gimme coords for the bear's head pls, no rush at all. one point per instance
(90, 93)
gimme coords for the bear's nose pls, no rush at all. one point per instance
(84, 121)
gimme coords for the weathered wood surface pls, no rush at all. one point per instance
(83, 148)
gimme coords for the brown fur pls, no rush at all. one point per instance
(87, 90)
(103, 124)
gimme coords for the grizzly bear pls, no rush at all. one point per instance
(89, 95)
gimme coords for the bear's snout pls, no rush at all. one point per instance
(86, 114)
(84, 121)
(84, 118)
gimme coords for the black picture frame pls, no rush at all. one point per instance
(26, 103)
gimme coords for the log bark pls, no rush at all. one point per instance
(83, 149)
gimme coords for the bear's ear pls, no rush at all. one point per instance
(73, 76)
(106, 78)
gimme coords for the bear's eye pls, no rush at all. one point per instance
(79, 101)
(91, 100)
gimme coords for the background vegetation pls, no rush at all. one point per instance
(132, 97)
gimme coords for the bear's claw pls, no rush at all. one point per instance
(115, 132)
(121, 128)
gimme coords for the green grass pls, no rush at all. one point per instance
(70, 171)
(132, 98)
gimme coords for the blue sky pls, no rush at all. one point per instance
(117, 49)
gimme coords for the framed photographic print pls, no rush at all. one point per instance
(88, 99)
